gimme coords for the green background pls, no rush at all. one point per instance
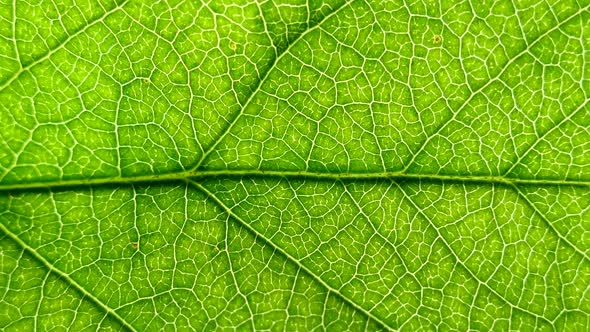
(296, 165)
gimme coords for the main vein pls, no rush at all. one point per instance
(200, 174)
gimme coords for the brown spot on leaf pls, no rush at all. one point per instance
(437, 39)
(135, 245)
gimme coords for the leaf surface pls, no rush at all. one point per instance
(298, 165)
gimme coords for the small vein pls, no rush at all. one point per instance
(471, 273)
(549, 224)
(233, 276)
(28, 67)
(289, 257)
(540, 138)
(260, 83)
(487, 84)
(66, 277)
(14, 20)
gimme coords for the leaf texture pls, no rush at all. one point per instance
(294, 165)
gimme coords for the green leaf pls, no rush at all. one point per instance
(294, 165)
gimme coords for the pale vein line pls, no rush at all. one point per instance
(291, 258)
(14, 20)
(233, 276)
(28, 67)
(488, 83)
(464, 265)
(549, 224)
(260, 83)
(65, 277)
(291, 174)
(542, 137)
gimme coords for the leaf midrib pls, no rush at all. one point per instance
(201, 174)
